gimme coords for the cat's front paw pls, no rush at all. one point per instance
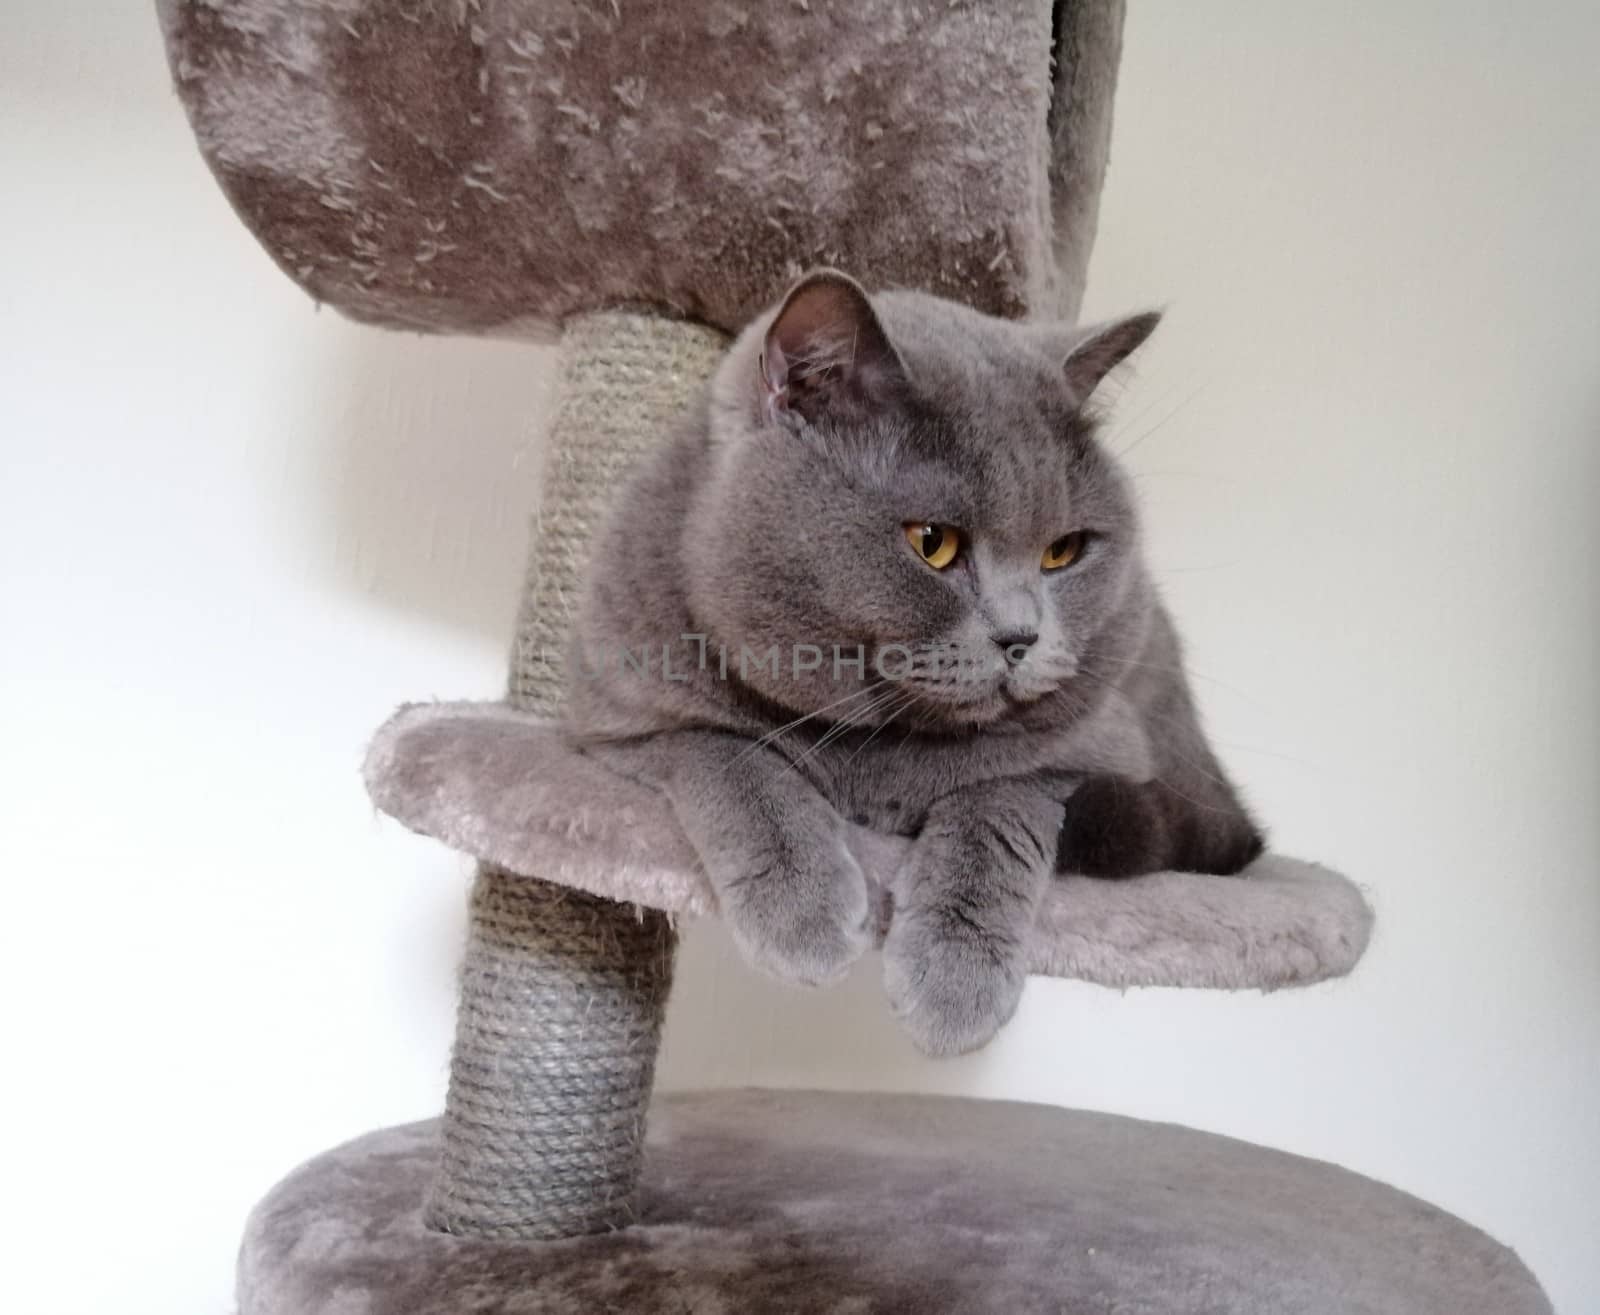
(951, 986)
(804, 920)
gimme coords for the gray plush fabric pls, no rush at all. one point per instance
(496, 165)
(502, 786)
(778, 1202)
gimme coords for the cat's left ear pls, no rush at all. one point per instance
(826, 350)
(1099, 350)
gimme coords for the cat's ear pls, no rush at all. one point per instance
(1099, 350)
(826, 350)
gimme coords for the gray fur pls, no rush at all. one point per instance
(773, 520)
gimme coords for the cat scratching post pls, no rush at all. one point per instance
(562, 992)
(643, 178)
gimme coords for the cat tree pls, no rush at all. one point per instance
(641, 178)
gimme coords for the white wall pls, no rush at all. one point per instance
(234, 532)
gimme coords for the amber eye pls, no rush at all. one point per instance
(938, 545)
(1064, 551)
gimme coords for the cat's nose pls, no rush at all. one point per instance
(1016, 643)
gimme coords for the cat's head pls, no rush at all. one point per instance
(907, 475)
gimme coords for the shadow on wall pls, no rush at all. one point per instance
(728, 1025)
(427, 473)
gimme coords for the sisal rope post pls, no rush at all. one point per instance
(562, 993)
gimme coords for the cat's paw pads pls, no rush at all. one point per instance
(804, 923)
(951, 991)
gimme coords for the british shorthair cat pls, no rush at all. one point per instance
(886, 574)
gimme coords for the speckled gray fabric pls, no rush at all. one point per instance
(496, 165)
(500, 785)
(789, 1202)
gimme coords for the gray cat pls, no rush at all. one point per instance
(886, 573)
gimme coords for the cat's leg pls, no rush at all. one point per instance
(773, 848)
(1121, 828)
(955, 957)
(1115, 828)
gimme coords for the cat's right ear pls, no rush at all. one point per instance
(826, 351)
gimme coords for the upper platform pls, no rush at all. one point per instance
(499, 165)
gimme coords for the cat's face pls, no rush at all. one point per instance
(909, 494)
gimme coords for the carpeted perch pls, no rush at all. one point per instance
(772, 1202)
(502, 786)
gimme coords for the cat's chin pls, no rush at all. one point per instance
(974, 711)
(1004, 700)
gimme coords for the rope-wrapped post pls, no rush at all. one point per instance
(562, 993)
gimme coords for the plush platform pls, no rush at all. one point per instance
(773, 1202)
(497, 167)
(502, 786)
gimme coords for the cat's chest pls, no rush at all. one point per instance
(889, 781)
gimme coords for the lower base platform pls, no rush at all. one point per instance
(779, 1201)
